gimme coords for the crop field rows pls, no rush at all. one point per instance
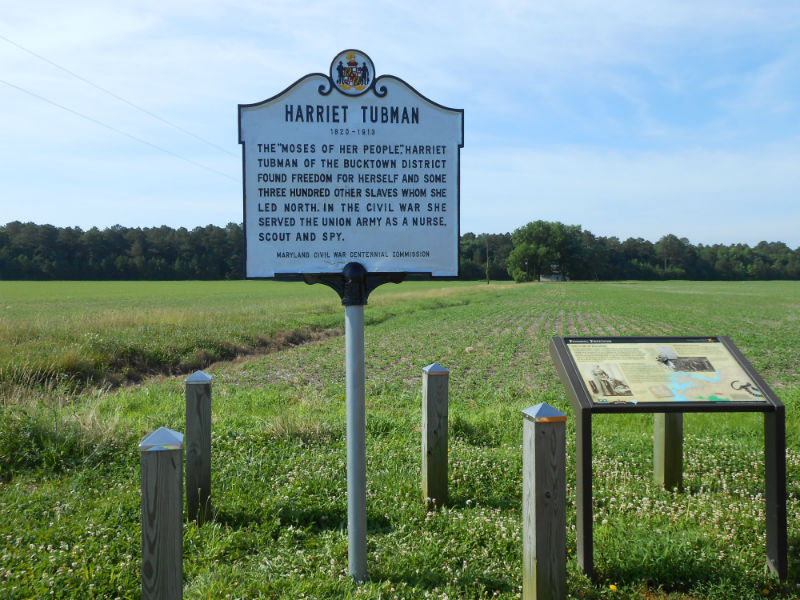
(69, 481)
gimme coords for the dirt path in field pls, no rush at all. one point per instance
(278, 342)
(134, 375)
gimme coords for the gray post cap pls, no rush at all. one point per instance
(544, 413)
(161, 439)
(198, 377)
(435, 369)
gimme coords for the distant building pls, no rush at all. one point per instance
(555, 274)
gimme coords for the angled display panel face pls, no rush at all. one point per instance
(656, 371)
(350, 168)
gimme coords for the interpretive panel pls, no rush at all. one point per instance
(668, 375)
(348, 167)
(629, 370)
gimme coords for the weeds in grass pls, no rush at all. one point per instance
(37, 439)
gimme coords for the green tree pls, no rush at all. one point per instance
(234, 251)
(542, 247)
(473, 250)
(677, 257)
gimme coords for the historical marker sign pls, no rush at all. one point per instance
(347, 167)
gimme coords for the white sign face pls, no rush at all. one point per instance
(349, 168)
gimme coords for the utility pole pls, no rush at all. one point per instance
(487, 259)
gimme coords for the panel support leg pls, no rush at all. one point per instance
(583, 497)
(775, 474)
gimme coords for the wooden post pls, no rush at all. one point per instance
(162, 519)
(668, 449)
(544, 524)
(435, 380)
(198, 447)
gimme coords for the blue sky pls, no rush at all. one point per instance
(629, 118)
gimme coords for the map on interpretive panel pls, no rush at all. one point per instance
(622, 371)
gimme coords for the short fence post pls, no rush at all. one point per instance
(544, 524)
(435, 380)
(162, 519)
(668, 449)
(198, 447)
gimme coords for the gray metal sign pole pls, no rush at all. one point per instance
(354, 285)
(356, 443)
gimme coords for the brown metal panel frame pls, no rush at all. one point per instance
(774, 443)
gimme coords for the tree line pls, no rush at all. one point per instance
(540, 248)
(544, 248)
(30, 251)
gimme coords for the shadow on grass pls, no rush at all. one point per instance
(313, 519)
(239, 519)
(672, 564)
(428, 579)
(324, 519)
(793, 577)
(424, 578)
(670, 574)
(475, 434)
(468, 501)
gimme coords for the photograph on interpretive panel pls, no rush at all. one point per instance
(669, 358)
(623, 371)
(606, 379)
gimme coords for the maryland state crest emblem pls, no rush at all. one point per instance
(352, 72)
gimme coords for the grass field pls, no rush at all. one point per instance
(87, 369)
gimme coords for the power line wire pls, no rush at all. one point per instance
(118, 97)
(120, 131)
